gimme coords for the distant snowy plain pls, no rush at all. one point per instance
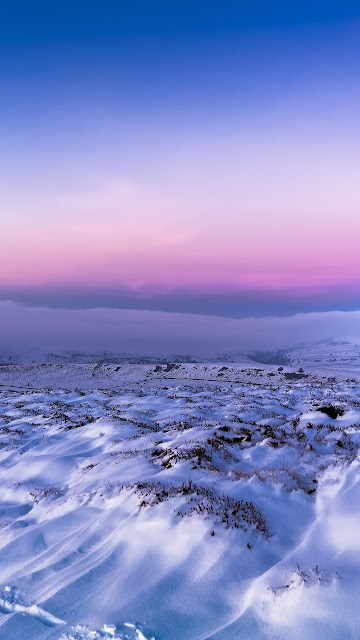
(182, 502)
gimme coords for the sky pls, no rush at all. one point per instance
(193, 157)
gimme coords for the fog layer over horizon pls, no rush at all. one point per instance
(159, 333)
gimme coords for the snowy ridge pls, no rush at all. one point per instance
(191, 500)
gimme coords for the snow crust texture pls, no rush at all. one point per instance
(182, 502)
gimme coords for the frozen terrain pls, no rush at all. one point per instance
(181, 501)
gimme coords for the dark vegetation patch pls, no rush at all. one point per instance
(233, 513)
(295, 376)
(332, 411)
(270, 357)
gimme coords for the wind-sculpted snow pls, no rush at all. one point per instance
(106, 632)
(180, 504)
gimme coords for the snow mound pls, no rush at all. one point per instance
(190, 504)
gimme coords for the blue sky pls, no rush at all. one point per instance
(196, 157)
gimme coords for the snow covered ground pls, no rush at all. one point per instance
(182, 502)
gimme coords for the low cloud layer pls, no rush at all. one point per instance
(157, 333)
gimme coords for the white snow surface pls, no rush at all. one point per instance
(179, 503)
